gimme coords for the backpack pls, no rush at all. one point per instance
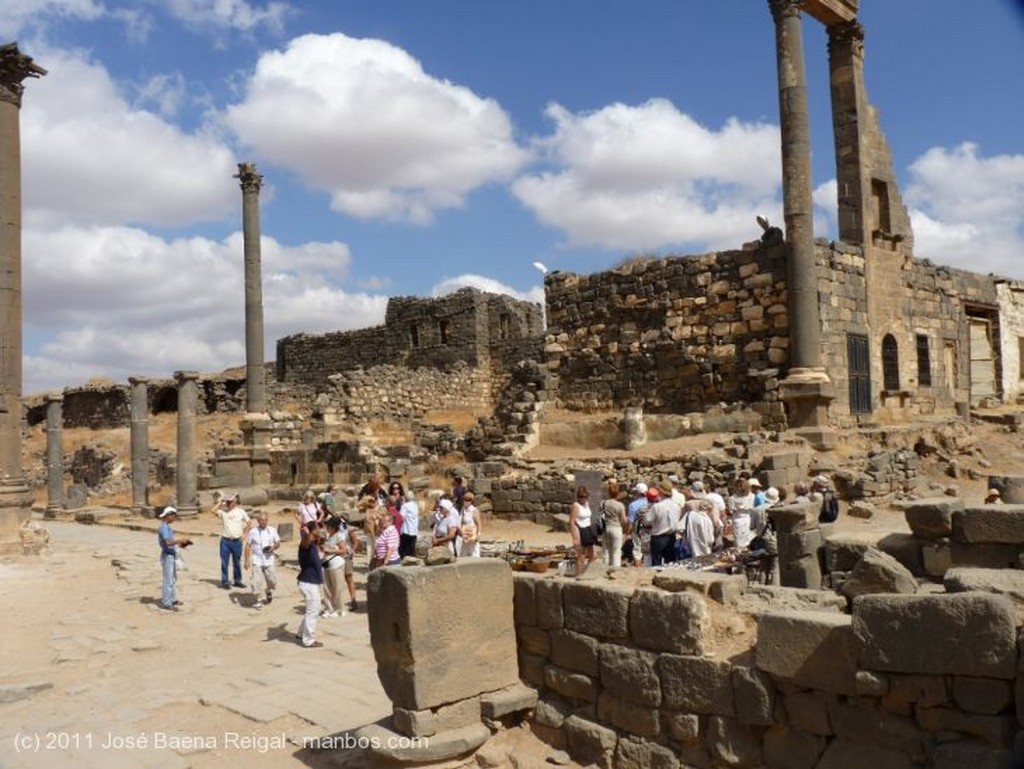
(829, 507)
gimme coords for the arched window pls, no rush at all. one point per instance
(890, 363)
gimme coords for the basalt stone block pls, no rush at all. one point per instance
(985, 555)
(696, 685)
(630, 674)
(877, 572)
(632, 753)
(808, 712)
(786, 748)
(590, 742)
(817, 650)
(1008, 582)
(575, 651)
(861, 720)
(987, 696)
(974, 754)
(723, 588)
(573, 686)
(515, 699)
(524, 599)
(549, 603)
(417, 615)
(533, 640)
(733, 743)
(790, 519)
(682, 727)
(552, 712)
(899, 633)
(597, 610)
(936, 558)
(916, 690)
(843, 551)
(932, 518)
(424, 723)
(635, 719)
(848, 754)
(531, 668)
(761, 599)
(671, 622)
(995, 730)
(390, 746)
(905, 548)
(754, 695)
(991, 523)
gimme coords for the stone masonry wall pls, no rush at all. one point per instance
(671, 335)
(633, 676)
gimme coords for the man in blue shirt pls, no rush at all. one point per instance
(168, 552)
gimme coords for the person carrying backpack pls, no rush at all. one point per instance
(829, 510)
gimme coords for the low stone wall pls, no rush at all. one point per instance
(633, 675)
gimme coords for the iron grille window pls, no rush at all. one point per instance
(890, 363)
(924, 362)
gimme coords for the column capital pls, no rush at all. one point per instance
(849, 34)
(185, 376)
(782, 9)
(138, 380)
(54, 397)
(248, 178)
(14, 68)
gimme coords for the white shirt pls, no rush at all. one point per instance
(234, 521)
(700, 532)
(410, 512)
(259, 539)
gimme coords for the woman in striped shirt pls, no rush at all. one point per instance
(386, 545)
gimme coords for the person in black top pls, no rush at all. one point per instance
(311, 577)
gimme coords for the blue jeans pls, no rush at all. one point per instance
(230, 548)
(169, 593)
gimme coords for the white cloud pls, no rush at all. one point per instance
(650, 176)
(18, 15)
(230, 14)
(968, 210)
(483, 283)
(167, 92)
(89, 157)
(116, 301)
(361, 120)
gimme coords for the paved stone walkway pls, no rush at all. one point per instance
(93, 674)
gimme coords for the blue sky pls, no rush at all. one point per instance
(410, 147)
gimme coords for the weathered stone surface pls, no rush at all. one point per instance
(417, 615)
(909, 691)
(794, 518)
(439, 555)
(683, 727)
(514, 699)
(813, 649)
(641, 754)
(531, 668)
(759, 599)
(723, 588)
(847, 754)
(672, 622)
(573, 686)
(524, 599)
(575, 651)
(549, 603)
(696, 685)
(898, 633)
(589, 742)
(392, 746)
(808, 711)
(786, 748)
(990, 523)
(843, 551)
(552, 712)
(861, 720)
(732, 743)
(424, 723)
(533, 640)
(1008, 582)
(936, 558)
(982, 695)
(630, 675)
(932, 518)
(905, 548)
(972, 754)
(985, 555)
(996, 730)
(877, 572)
(754, 696)
(640, 720)
(597, 609)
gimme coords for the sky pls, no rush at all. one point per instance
(413, 147)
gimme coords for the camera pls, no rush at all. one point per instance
(268, 550)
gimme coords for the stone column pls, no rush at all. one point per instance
(187, 501)
(15, 495)
(255, 367)
(139, 408)
(807, 389)
(54, 454)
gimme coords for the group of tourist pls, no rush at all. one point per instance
(455, 524)
(673, 521)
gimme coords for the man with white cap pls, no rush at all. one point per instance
(630, 549)
(169, 545)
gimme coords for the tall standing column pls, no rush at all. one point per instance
(15, 495)
(806, 389)
(255, 366)
(187, 501)
(139, 437)
(54, 454)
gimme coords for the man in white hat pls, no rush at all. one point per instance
(630, 550)
(169, 545)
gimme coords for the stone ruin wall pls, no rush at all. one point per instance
(672, 335)
(637, 676)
